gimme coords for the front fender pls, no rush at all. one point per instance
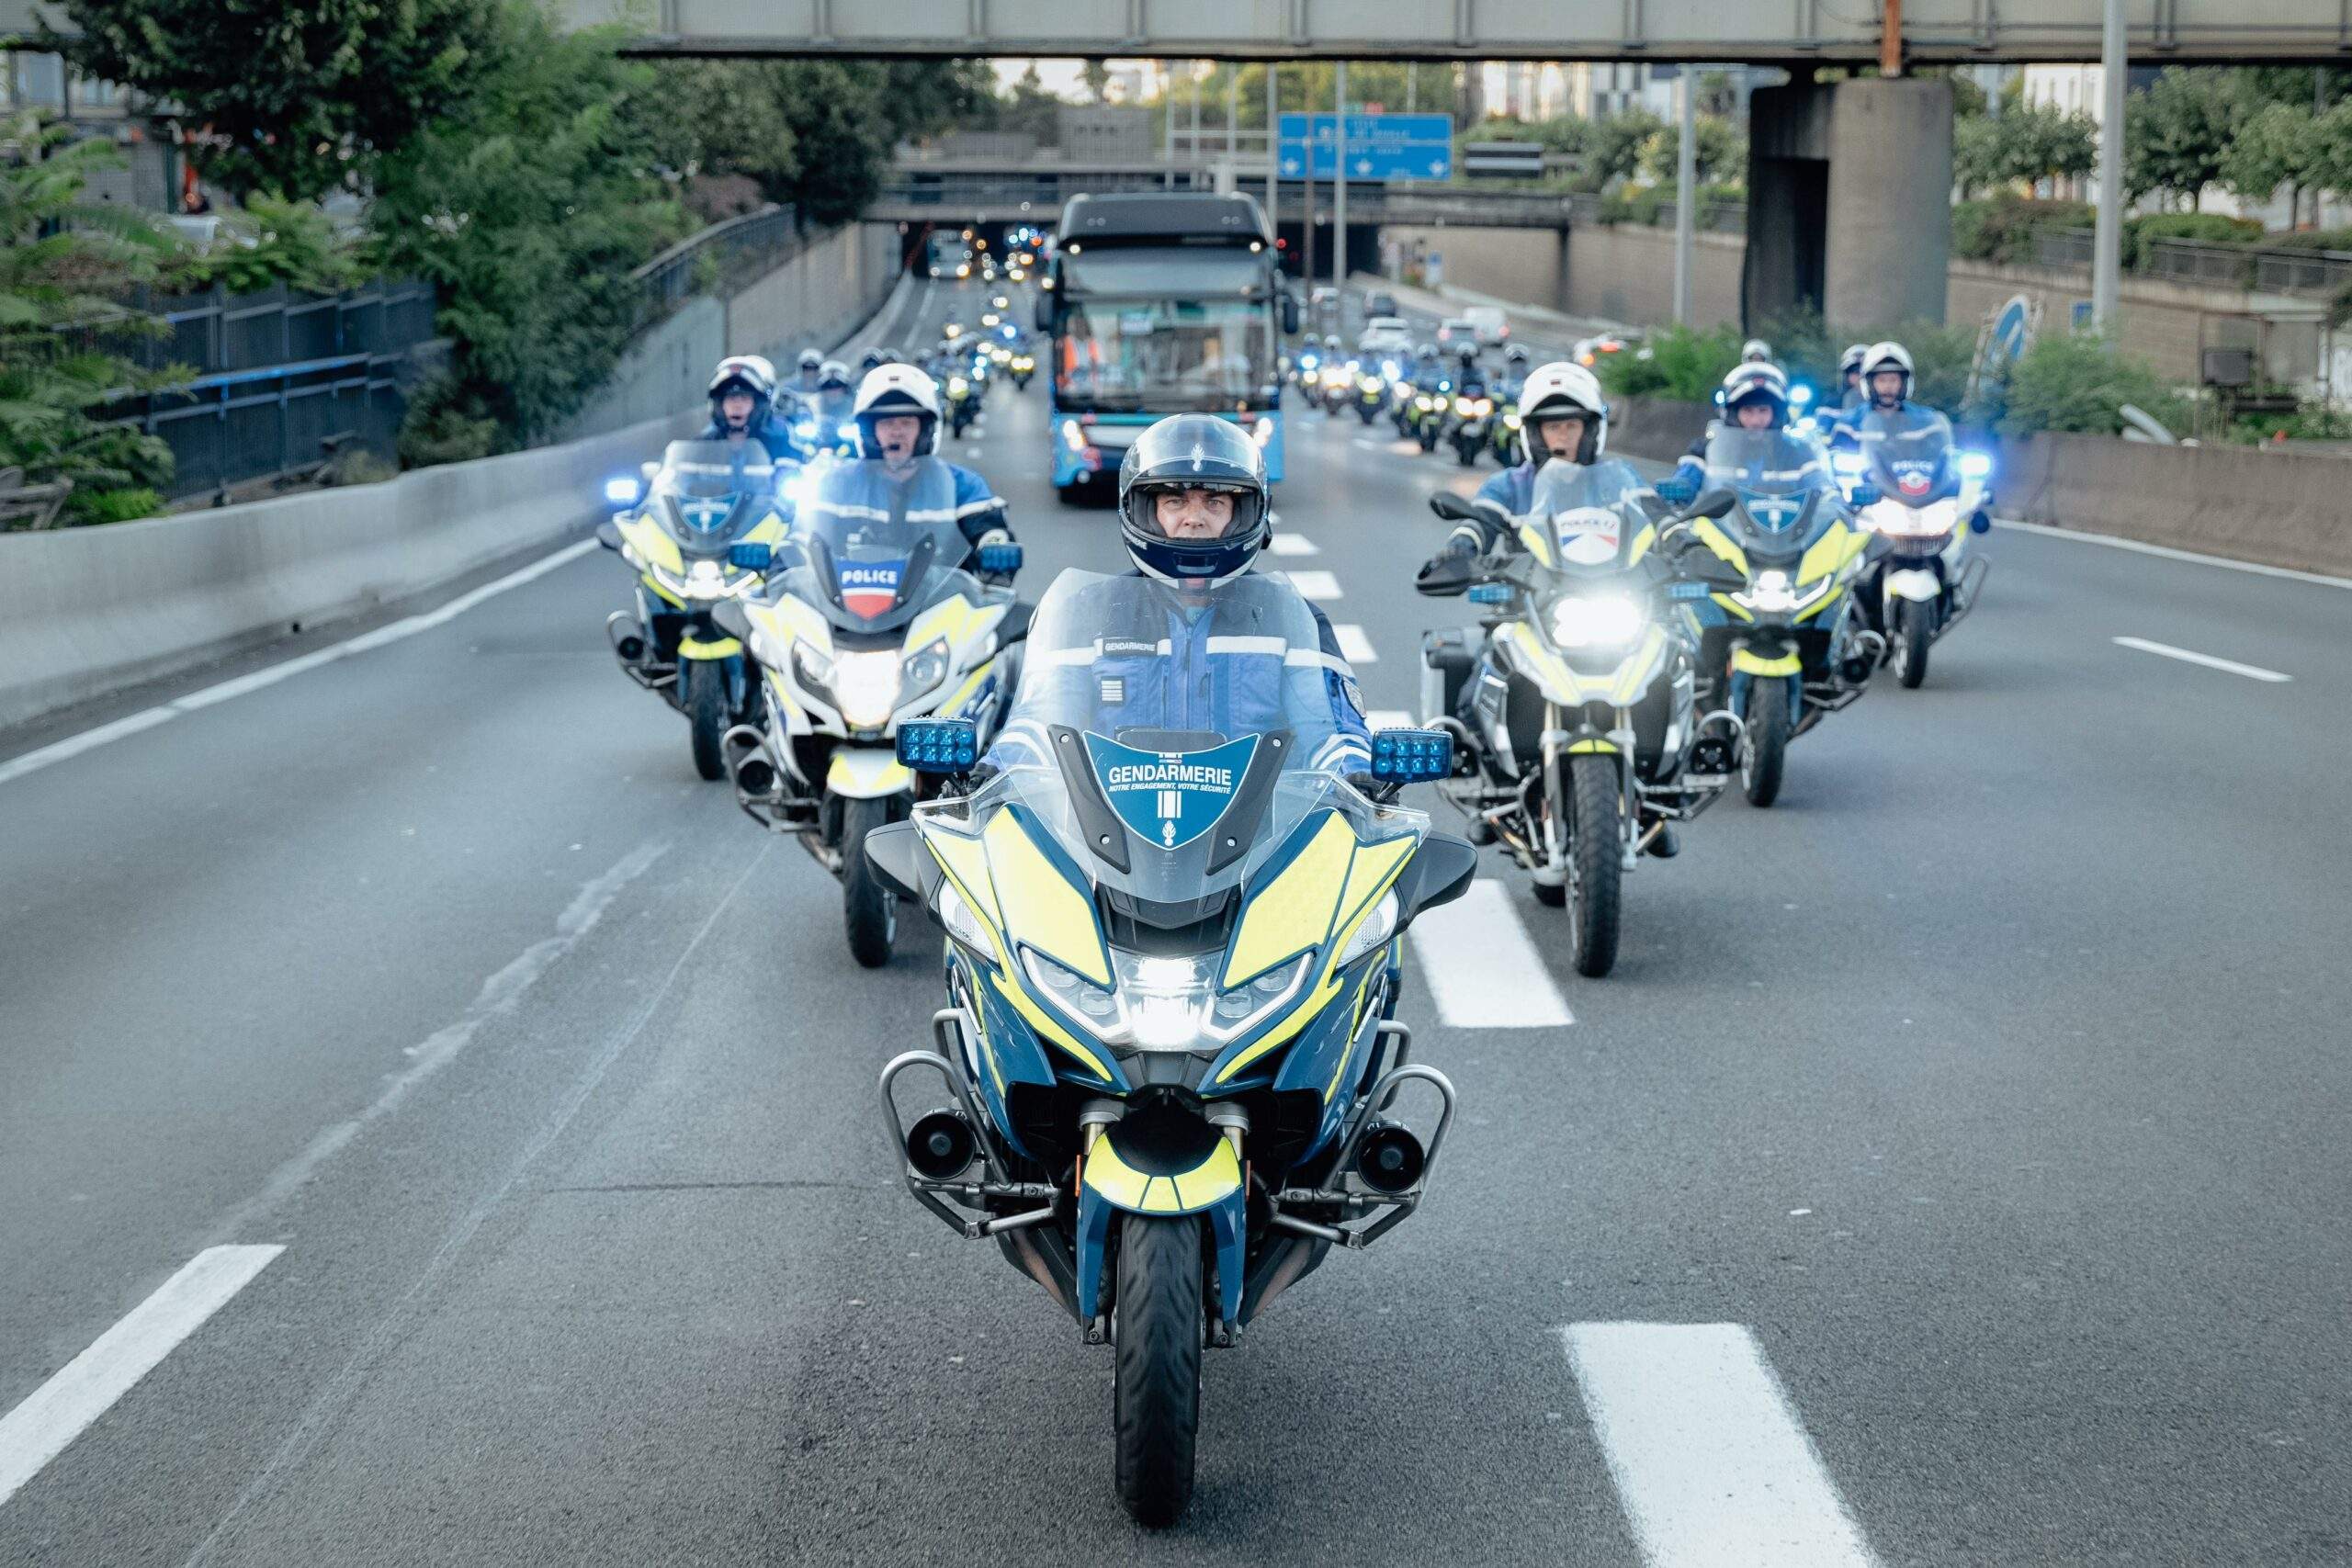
(1166, 1164)
(1746, 661)
(857, 773)
(1921, 587)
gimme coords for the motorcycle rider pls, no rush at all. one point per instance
(898, 423)
(1514, 373)
(1754, 396)
(1755, 351)
(1194, 511)
(742, 409)
(832, 400)
(1886, 377)
(803, 379)
(1562, 417)
(1849, 373)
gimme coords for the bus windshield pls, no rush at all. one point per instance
(1167, 355)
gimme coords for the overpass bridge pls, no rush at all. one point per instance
(918, 193)
(1785, 33)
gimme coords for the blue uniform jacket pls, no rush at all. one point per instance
(774, 436)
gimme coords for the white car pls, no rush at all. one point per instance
(1491, 325)
(1457, 328)
(1385, 334)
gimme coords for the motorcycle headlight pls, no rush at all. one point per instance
(1370, 385)
(1166, 1004)
(957, 386)
(1483, 407)
(1510, 420)
(1923, 522)
(846, 431)
(1463, 405)
(707, 580)
(924, 670)
(1850, 465)
(1424, 403)
(1774, 594)
(865, 687)
(1597, 620)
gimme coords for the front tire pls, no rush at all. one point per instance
(1597, 876)
(1768, 738)
(1156, 1389)
(869, 909)
(1913, 630)
(704, 700)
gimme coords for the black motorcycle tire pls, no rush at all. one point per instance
(1768, 740)
(869, 909)
(1598, 872)
(704, 699)
(1156, 1378)
(1468, 453)
(1912, 630)
(1368, 414)
(1428, 438)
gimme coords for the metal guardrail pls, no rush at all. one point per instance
(2064, 247)
(2210, 264)
(715, 259)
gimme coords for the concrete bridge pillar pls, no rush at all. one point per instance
(1849, 202)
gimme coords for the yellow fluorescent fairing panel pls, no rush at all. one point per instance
(1642, 543)
(1715, 539)
(960, 621)
(862, 775)
(788, 621)
(966, 861)
(1040, 907)
(1212, 1181)
(652, 546)
(1537, 537)
(1830, 552)
(1748, 663)
(1619, 688)
(1294, 912)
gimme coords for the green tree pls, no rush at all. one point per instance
(1097, 75)
(65, 266)
(1615, 153)
(2177, 135)
(2281, 144)
(528, 212)
(1720, 149)
(303, 93)
(2075, 381)
(1978, 158)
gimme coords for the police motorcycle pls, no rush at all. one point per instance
(885, 613)
(699, 538)
(825, 424)
(1787, 644)
(1170, 962)
(1426, 412)
(1020, 366)
(1472, 430)
(961, 392)
(1929, 497)
(1586, 742)
(1372, 389)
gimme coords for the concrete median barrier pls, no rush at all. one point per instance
(86, 611)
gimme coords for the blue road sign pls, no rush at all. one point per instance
(1379, 146)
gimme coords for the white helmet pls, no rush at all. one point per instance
(1559, 391)
(890, 390)
(1755, 351)
(1887, 356)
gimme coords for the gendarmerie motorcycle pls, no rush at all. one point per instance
(1580, 739)
(699, 538)
(882, 613)
(1787, 646)
(1170, 963)
(1922, 494)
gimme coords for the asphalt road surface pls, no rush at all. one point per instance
(436, 1128)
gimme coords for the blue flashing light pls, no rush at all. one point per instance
(620, 493)
(1976, 465)
(939, 746)
(1411, 756)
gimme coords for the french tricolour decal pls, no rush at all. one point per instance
(870, 588)
(1170, 798)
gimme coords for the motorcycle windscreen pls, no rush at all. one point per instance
(707, 492)
(1910, 453)
(878, 547)
(1168, 761)
(1782, 483)
(1592, 515)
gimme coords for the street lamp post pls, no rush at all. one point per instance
(1340, 185)
(2107, 241)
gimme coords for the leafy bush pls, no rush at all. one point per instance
(113, 505)
(2210, 227)
(2003, 229)
(443, 426)
(2311, 239)
(273, 242)
(1684, 364)
(2078, 382)
(1940, 357)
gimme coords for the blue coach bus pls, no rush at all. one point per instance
(1155, 305)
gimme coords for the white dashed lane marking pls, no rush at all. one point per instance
(1354, 647)
(1389, 718)
(1316, 585)
(2230, 666)
(1711, 1464)
(1284, 543)
(59, 1411)
(1480, 967)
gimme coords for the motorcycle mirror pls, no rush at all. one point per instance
(1452, 508)
(1715, 503)
(1444, 577)
(942, 748)
(894, 851)
(751, 556)
(648, 469)
(1411, 756)
(609, 536)
(731, 618)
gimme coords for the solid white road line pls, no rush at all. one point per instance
(58, 1410)
(1354, 647)
(2187, 656)
(1482, 971)
(1287, 543)
(1712, 1466)
(2258, 567)
(1320, 585)
(270, 675)
(1389, 718)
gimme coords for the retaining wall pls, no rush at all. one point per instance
(2282, 509)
